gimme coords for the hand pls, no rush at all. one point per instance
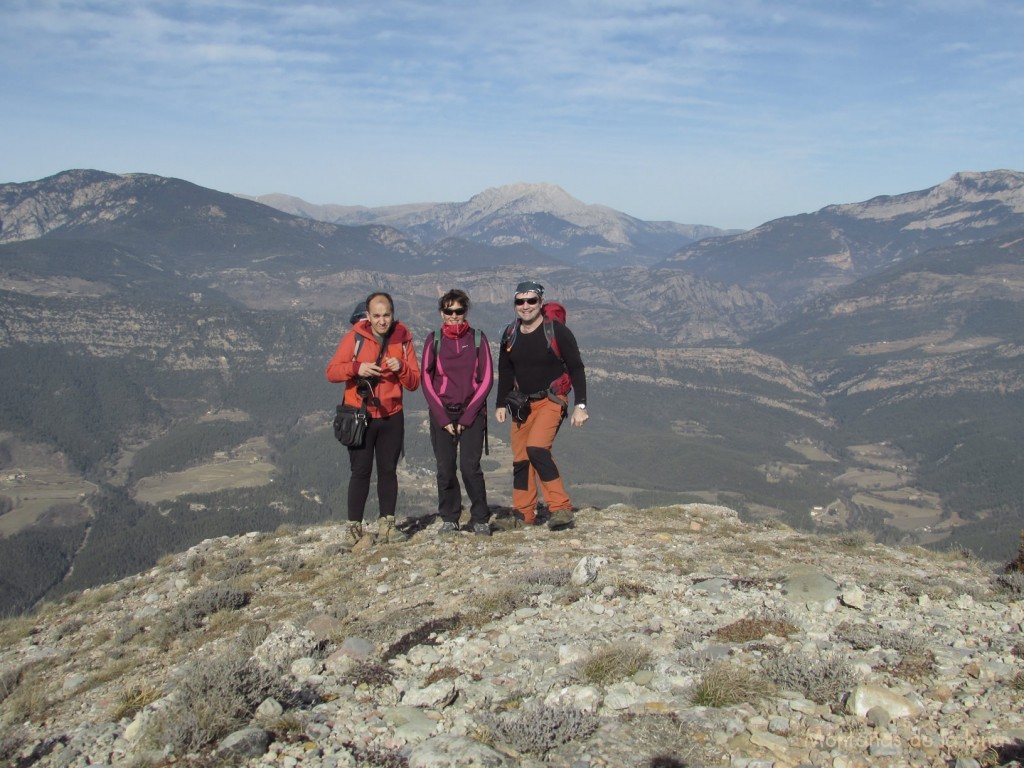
(369, 370)
(579, 416)
(392, 363)
(500, 414)
(450, 429)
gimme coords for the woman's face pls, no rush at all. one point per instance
(454, 313)
(380, 315)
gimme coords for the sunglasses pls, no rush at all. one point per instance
(531, 301)
(454, 311)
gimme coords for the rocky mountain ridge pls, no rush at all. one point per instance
(542, 215)
(643, 637)
(796, 258)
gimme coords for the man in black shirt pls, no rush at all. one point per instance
(539, 359)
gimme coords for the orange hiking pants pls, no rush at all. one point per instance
(532, 462)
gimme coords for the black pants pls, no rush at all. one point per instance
(468, 447)
(384, 438)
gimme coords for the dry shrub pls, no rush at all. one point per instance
(666, 738)
(16, 628)
(28, 700)
(555, 577)
(916, 660)
(493, 605)
(855, 539)
(190, 614)
(425, 634)
(441, 673)
(12, 741)
(748, 629)
(214, 698)
(131, 701)
(375, 757)
(537, 728)
(370, 674)
(725, 684)
(612, 664)
(822, 679)
(632, 590)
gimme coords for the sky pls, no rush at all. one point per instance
(728, 113)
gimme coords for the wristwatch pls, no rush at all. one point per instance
(582, 405)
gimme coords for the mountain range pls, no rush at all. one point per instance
(544, 216)
(161, 349)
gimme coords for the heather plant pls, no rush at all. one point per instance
(670, 742)
(12, 740)
(536, 728)
(375, 757)
(1011, 583)
(822, 679)
(370, 674)
(855, 539)
(555, 577)
(214, 697)
(632, 589)
(190, 614)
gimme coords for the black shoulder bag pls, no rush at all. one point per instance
(350, 422)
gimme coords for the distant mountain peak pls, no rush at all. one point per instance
(525, 197)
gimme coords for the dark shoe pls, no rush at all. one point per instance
(449, 529)
(481, 529)
(561, 518)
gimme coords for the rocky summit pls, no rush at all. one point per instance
(669, 636)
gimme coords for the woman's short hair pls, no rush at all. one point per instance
(381, 295)
(454, 296)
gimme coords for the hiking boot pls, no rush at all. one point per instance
(352, 534)
(481, 529)
(449, 529)
(388, 532)
(561, 518)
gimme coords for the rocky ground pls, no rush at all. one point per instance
(674, 636)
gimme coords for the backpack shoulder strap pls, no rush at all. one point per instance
(549, 334)
(358, 346)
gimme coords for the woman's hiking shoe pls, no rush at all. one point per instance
(351, 535)
(388, 532)
(481, 529)
(449, 529)
(561, 518)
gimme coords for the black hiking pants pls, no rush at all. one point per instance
(465, 450)
(385, 436)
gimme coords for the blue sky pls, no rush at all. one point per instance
(721, 112)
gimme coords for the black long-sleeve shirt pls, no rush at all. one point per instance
(532, 366)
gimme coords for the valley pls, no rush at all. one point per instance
(162, 348)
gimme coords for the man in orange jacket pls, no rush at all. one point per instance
(376, 362)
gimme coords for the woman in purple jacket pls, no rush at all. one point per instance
(457, 377)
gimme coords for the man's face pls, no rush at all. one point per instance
(527, 306)
(381, 316)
